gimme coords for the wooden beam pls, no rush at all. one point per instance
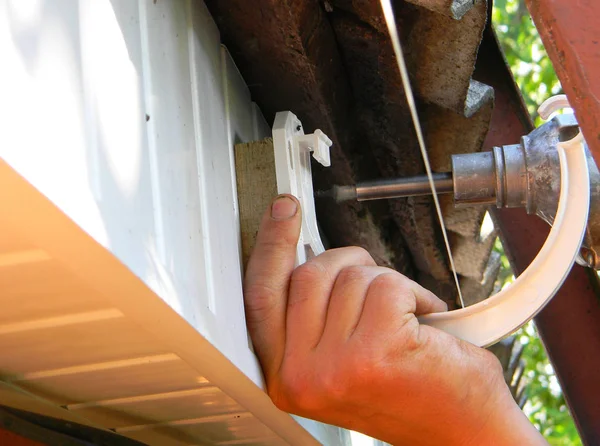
(256, 187)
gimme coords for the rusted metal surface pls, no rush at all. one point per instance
(10, 438)
(571, 35)
(569, 325)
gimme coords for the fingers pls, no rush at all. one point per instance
(427, 302)
(310, 291)
(392, 300)
(289, 309)
(347, 300)
(267, 279)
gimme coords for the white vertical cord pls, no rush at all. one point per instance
(388, 13)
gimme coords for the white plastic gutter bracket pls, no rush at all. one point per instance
(489, 321)
(292, 163)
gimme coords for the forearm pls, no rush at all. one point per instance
(511, 429)
(507, 425)
(483, 413)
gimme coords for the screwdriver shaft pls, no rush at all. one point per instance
(403, 187)
(391, 188)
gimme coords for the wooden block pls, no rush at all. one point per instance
(256, 187)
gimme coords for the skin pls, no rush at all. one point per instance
(339, 342)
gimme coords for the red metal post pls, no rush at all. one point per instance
(570, 31)
(570, 324)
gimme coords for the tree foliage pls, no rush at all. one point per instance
(525, 53)
(545, 405)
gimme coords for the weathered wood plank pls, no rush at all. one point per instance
(256, 187)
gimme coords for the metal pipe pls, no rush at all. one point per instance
(403, 187)
(391, 188)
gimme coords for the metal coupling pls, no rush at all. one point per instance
(528, 175)
(498, 177)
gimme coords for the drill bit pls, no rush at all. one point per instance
(389, 188)
(338, 193)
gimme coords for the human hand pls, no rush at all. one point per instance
(339, 342)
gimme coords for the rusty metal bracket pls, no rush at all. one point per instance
(571, 35)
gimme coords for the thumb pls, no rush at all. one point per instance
(267, 279)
